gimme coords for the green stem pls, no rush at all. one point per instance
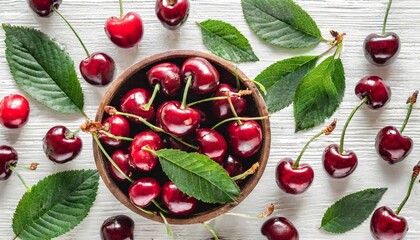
(407, 117)
(116, 137)
(155, 91)
(185, 95)
(232, 108)
(343, 133)
(73, 134)
(243, 215)
(159, 207)
(74, 31)
(248, 172)
(13, 169)
(121, 9)
(410, 188)
(238, 118)
(144, 210)
(259, 85)
(207, 100)
(211, 230)
(327, 51)
(168, 229)
(338, 50)
(238, 83)
(386, 17)
(84, 115)
(296, 164)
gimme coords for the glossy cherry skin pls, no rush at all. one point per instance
(134, 101)
(172, 13)
(339, 165)
(168, 76)
(143, 191)
(279, 228)
(246, 139)
(382, 50)
(98, 69)
(221, 108)
(180, 122)
(118, 227)
(44, 8)
(233, 167)
(386, 225)
(116, 125)
(293, 180)
(377, 91)
(125, 32)
(58, 147)
(392, 146)
(211, 143)
(123, 161)
(177, 202)
(14, 111)
(142, 159)
(8, 157)
(205, 77)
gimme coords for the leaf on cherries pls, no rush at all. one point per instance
(281, 22)
(43, 69)
(225, 40)
(198, 176)
(351, 211)
(55, 205)
(319, 94)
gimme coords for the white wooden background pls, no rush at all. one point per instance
(357, 18)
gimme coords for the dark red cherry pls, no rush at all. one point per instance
(221, 108)
(98, 69)
(116, 125)
(44, 8)
(8, 157)
(386, 225)
(233, 167)
(211, 143)
(118, 227)
(123, 161)
(141, 158)
(337, 164)
(382, 50)
(58, 147)
(204, 117)
(172, 13)
(125, 32)
(293, 180)
(14, 111)
(279, 228)
(170, 142)
(375, 89)
(177, 202)
(168, 76)
(392, 146)
(143, 191)
(246, 139)
(180, 122)
(134, 101)
(205, 77)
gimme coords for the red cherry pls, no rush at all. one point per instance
(339, 165)
(375, 89)
(233, 167)
(8, 157)
(98, 69)
(116, 125)
(204, 117)
(44, 8)
(168, 76)
(386, 225)
(279, 228)
(143, 159)
(14, 111)
(180, 122)
(392, 146)
(177, 202)
(125, 32)
(221, 108)
(58, 147)
(143, 191)
(119, 227)
(293, 180)
(172, 13)
(205, 77)
(134, 101)
(212, 144)
(382, 50)
(245, 139)
(122, 159)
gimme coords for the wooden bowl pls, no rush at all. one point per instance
(135, 76)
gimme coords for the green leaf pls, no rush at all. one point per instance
(198, 176)
(281, 22)
(43, 69)
(226, 41)
(351, 211)
(319, 94)
(282, 78)
(55, 205)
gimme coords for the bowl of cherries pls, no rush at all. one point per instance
(164, 120)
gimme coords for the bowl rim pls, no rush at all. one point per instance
(228, 67)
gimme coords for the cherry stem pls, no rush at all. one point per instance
(326, 51)
(339, 49)
(416, 171)
(238, 83)
(207, 100)
(411, 101)
(386, 17)
(116, 137)
(144, 210)
(159, 207)
(268, 211)
(121, 9)
(155, 92)
(343, 133)
(259, 85)
(74, 31)
(171, 2)
(232, 108)
(238, 118)
(84, 115)
(185, 95)
(13, 169)
(73, 134)
(211, 230)
(168, 229)
(296, 164)
(248, 172)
